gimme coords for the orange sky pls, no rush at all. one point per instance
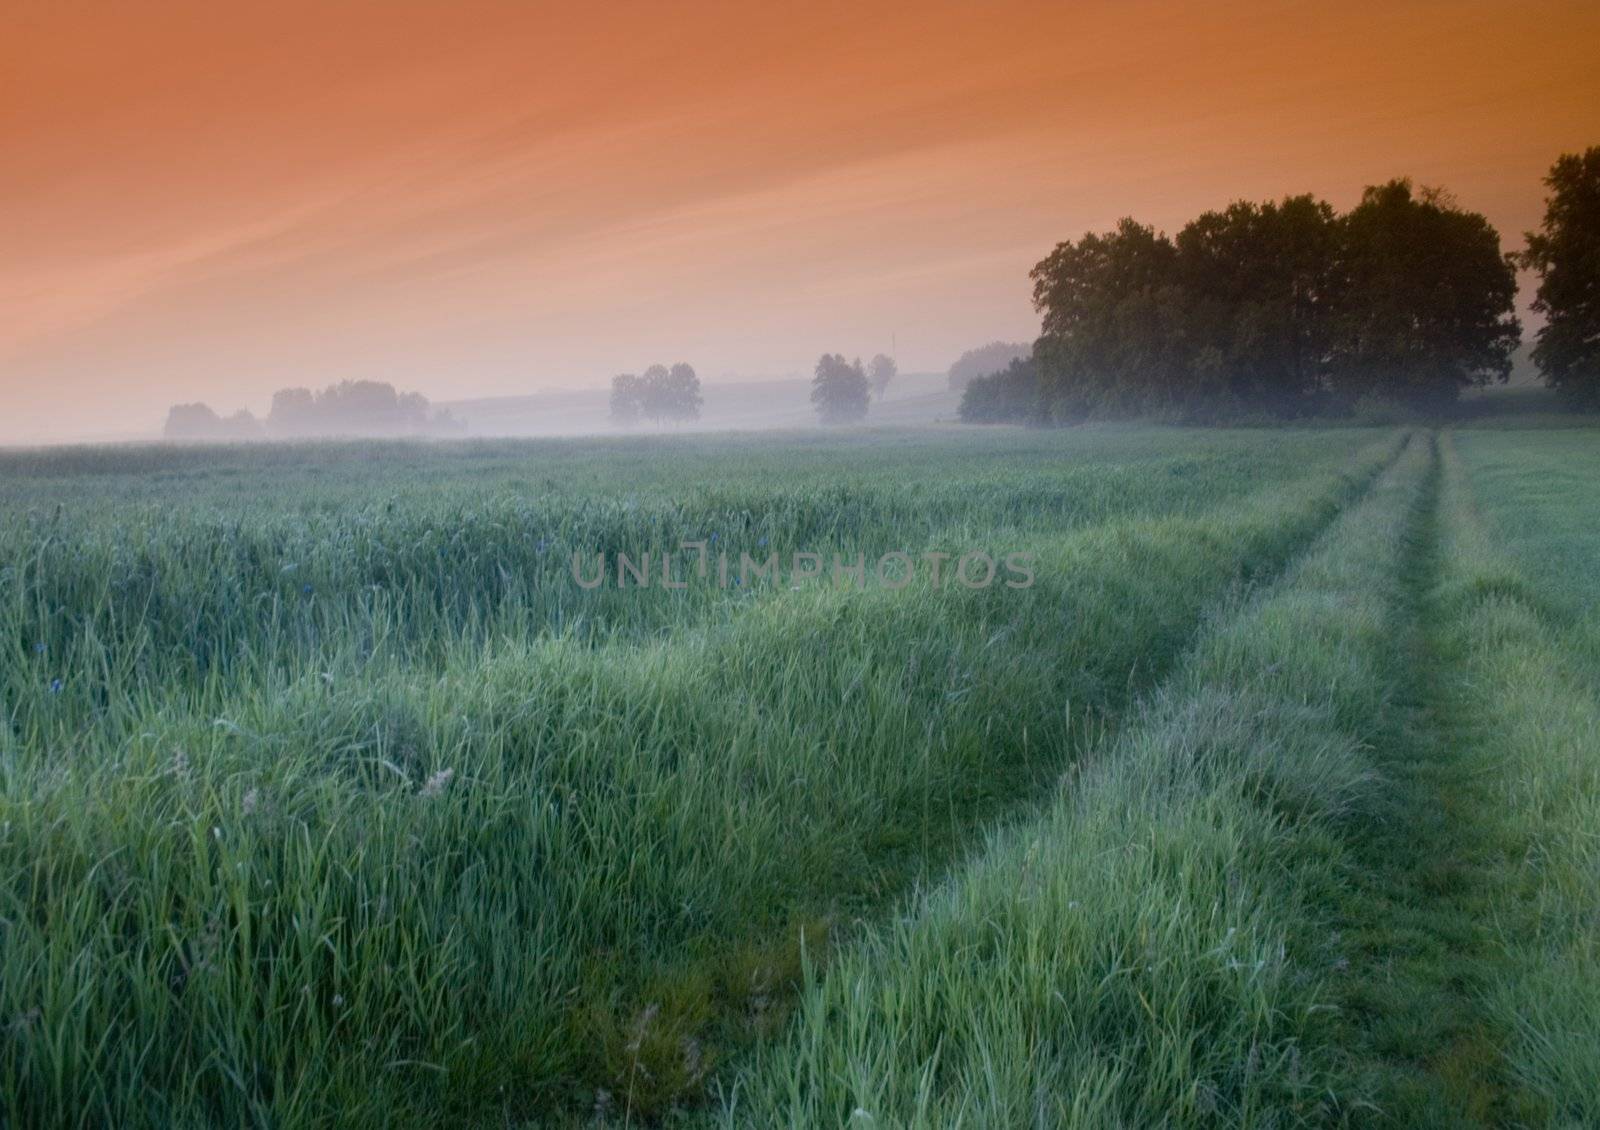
(480, 197)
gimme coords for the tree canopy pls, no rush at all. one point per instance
(1283, 307)
(201, 422)
(349, 408)
(1112, 332)
(1426, 302)
(661, 394)
(1566, 253)
(839, 391)
(627, 399)
(1257, 278)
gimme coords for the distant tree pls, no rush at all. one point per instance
(442, 421)
(627, 399)
(651, 383)
(880, 372)
(661, 394)
(191, 421)
(1566, 253)
(199, 422)
(355, 408)
(839, 390)
(242, 425)
(294, 411)
(412, 407)
(1011, 396)
(984, 360)
(676, 396)
(1260, 280)
(1426, 304)
(347, 408)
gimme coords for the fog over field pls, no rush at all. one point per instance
(914, 399)
(728, 566)
(479, 200)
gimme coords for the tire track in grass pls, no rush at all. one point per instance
(499, 1014)
(1431, 879)
(1145, 952)
(1523, 709)
(1459, 889)
(1262, 552)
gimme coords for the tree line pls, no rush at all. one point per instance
(659, 395)
(841, 391)
(349, 408)
(984, 360)
(1290, 308)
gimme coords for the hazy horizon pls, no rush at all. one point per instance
(495, 199)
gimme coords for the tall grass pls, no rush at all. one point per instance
(141, 576)
(411, 848)
(1148, 951)
(1523, 639)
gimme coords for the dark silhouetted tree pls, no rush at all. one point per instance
(1114, 323)
(1276, 306)
(984, 360)
(1566, 253)
(1426, 302)
(1260, 280)
(839, 390)
(880, 372)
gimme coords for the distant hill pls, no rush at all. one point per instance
(757, 405)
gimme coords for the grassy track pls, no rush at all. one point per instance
(1474, 910)
(1344, 873)
(1272, 803)
(1521, 641)
(1427, 874)
(1147, 952)
(520, 870)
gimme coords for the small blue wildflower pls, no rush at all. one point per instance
(56, 686)
(738, 582)
(308, 590)
(713, 537)
(39, 648)
(762, 540)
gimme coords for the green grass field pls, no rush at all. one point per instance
(329, 797)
